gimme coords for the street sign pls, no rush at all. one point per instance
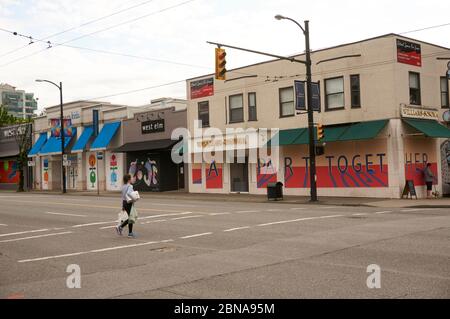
(65, 157)
(100, 155)
(31, 163)
(67, 163)
(448, 74)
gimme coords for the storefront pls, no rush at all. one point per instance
(148, 147)
(9, 150)
(89, 163)
(382, 122)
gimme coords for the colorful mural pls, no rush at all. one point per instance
(419, 152)
(214, 176)
(45, 173)
(92, 172)
(114, 173)
(8, 172)
(197, 174)
(345, 165)
(144, 174)
(266, 172)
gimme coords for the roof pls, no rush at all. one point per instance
(330, 48)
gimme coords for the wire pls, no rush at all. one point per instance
(427, 28)
(79, 26)
(92, 33)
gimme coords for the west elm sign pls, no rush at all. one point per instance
(156, 126)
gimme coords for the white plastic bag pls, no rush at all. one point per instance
(133, 197)
(122, 216)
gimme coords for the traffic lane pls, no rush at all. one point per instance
(312, 280)
(420, 254)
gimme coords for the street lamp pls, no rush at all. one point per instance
(312, 151)
(62, 131)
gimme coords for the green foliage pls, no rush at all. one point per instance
(7, 119)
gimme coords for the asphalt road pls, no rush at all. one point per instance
(212, 249)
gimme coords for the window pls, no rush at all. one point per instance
(355, 91)
(287, 102)
(236, 108)
(444, 93)
(203, 113)
(252, 107)
(414, 88)
(334, 93)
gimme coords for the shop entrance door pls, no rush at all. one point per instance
(72, 172)
(239, 177)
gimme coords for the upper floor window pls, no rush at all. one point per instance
(287, 102)
(252, 106)
(203, 113)
(236, 108)
(355, 91)
(414, 88)
(444, 92)
(334, 93)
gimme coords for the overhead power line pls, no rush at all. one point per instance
(79, 26)
(92, 33)
(426, 28)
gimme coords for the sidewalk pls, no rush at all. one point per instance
(328, 201)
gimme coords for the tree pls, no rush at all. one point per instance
(23, 136)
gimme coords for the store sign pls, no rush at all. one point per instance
(153, 126)
(409, 53)
(202, 88)
(416, 113)
(75, 115)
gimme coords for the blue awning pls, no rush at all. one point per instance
(105, 136)
(38, 145)
(83, 140)
(53, 145)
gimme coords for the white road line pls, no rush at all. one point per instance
(385, 212)
(327, 207)
(62, 214)
(24, 232)
(298, 208)
(167, 241)
(196, 235)
(3, 225)
(107, 227)
(246, 211)
(274, 210)
(298, 220)
(165, 215)
(237, 228)
(360, 214)
(218, 214)
(33, 237)
(414, 210)
(93, 224)
(154, 221)
(187, 217)
(88, 252)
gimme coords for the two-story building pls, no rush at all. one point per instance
(382, 103)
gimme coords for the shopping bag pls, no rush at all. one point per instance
(133, 197)
(122, 216)
(133, 215)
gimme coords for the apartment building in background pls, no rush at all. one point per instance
(17, 102)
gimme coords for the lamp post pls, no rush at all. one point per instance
(63, 168)
(312, 150)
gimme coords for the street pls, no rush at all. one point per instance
(212, 249)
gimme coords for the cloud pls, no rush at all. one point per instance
(180, 34)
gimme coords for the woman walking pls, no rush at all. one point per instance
(127, 189)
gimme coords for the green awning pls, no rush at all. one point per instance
(430, 128)
(344, 132)
(287, 137)
(332, 133)
(363, 130)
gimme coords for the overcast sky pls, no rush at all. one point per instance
(177, 31)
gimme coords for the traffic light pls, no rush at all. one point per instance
(320, 132)
(220, 64)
